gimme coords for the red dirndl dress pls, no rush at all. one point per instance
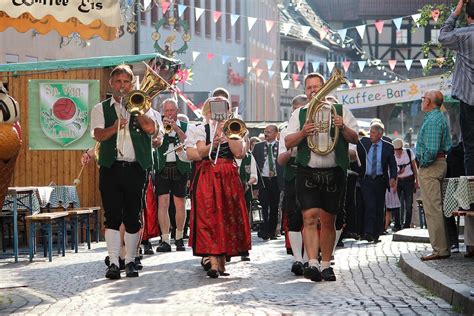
(219, 219)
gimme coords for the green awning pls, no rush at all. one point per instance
(82, 63)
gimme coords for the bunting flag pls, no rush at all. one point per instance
(424, 62)
(255, 62)
(181, 9)
(239, 59)
(316, 65)
(251, 22)
(285, 84)
(300, 65)
(346, 64)
(284, 64)
(330, 65)
(435, 15)
(224, 59)
(270, 73)
(392, 63)
(164, 6)
(269, 64)
(379, 26)
(233, 19)
(323, 32)
(416, 18)
(408, 63)
(258, 71)
(283, 75)
(269, 25)
(195, 55)
(146, 4)
(361, 65)
(295, 77)
(210, 56)
(249, 69)
(342, 34)
(305, 30)
(370, 81)
(297, 84)
(216, 15)
(357, 82)
(398, 23)
(361, 30)
(198, 13)
(286, 28)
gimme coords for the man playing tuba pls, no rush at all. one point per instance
(320, 177)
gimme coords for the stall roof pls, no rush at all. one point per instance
(81, 63)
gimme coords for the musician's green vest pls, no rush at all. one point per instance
(243, 173)
(183, 167)
(341, 150)
(141, 141)
(289, 173)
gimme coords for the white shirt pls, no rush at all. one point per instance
(282, 147)
(403, 160)
(124, 141)
(317, 161)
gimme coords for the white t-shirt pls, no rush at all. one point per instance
(404, 160)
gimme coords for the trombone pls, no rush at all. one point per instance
(233, 129)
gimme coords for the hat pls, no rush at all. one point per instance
(397, 143)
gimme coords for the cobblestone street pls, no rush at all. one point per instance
(369, 280)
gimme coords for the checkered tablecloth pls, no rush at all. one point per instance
(64, 195)
(458, 193)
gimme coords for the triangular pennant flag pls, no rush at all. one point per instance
(304, 31)
(249, 69)
(259, 72)
(361, 30)
(416, 18)
(286, 28)
(210, 56)
(297, 83)
(356, 82)
(424, 62)
(164, 6)
(195, 55)
(239, 59)
(346, 64)
(224, 59)
(269, 64)
(330, 65)
(361, 65)
(379, 26)
(233, 19)
(392, 63)
(398, 23)
(284, 64)
(370, 81)
(315, 65)
(382, 81)
(342, 34)
(435, 15)
(146, 4)
(300, 65)
(270, 73)
(255, 62)
(216, 15)
(323, 32)
(285, 84)
(198, 13)
(251, 22)
(269, 25)
(181, 9)
(295, 77)
(283, 75)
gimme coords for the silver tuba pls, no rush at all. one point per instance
(321, 112)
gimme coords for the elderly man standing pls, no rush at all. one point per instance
(433, 143)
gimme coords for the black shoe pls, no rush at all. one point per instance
(368, 237)
(148, 249)
(328, 274)
(297, 268)
(312, 273)
(228, 258)
(213, 274)
(179, 245)
(112, 272)
(121, 263)
(138, 263)
(244, 258)
(163, 247)
(340, 244)
(107, 261)
(131, 270)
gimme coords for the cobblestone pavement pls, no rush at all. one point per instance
(369, 281)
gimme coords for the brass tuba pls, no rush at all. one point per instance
(138, 102)
(234, 129)
(321, 112)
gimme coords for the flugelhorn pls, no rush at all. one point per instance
(321, 112)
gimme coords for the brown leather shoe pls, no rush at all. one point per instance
(434, 257)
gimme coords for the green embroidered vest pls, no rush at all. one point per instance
(244, 170)
(289, 173)
(183, 167)
(341, 149)
(141, 141)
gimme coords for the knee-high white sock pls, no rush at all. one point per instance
(296, 242)
(338, 235)
(165, 238)
(112, 238)
(131, 242)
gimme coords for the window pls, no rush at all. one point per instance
(237, 24)
(219, 22)
(434, 36)
(197, 24)
(401, 36)
(11, 58)
(208, 18)
(228, 24)
(30, 59)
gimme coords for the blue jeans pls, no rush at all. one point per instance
(466, 120)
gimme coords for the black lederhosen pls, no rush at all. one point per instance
(171, 180)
